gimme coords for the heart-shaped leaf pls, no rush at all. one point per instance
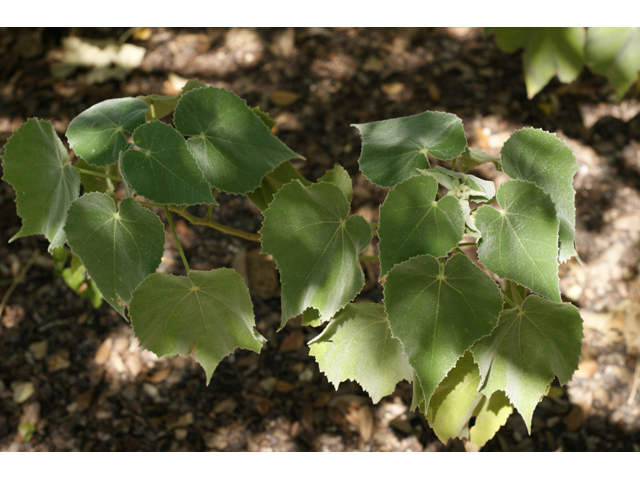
(35, 164)
(118, 248)
(315, 250)
(97, 133)
(358, 345)
(520, 242)
(207, 314)
(233, 147)
(284, 173)
(438, 311)
(163, 170)
(412, 223)
(393, 150)
(542, 158)
(531, 345)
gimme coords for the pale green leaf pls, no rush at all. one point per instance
(311, 318)
(393, 150)
(530, 346)
(463, 186)
(438, 311)
(233, 147)
(490, 415)
(163, 105)
(207, 313)
(542, 158)
(548, 51)
(520, 242)
(264, 116)
(340, 178)
(316, 250)
(615, 53)
(284, 173)
(34, 164)
(163, 170)
(97, 134)
(412, 223)
(357, 345)
(118, 248)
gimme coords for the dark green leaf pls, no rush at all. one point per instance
(284, 173)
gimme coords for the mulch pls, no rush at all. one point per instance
(73, 378)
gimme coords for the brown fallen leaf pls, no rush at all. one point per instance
(283, 98)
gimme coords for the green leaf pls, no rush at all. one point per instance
(357, 345)
(97, 133)
(284, 173)
(316, 250)
(77, 280)
(340, 178)
(311, 318)
(531, 344)
(233, 147)
(118, 249)
(163, 170)
(393, 150)
(412, 223)
(548, 51)
(463, 186)
(471, 158)
(438, 311)
(457, 400)
(490, 415)
(35, 164)
(207, 314)
(264, 116)
(520, 242)
(542, 158)
(163, 105)
(615, 53)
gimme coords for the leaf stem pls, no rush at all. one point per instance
(254, 237)
(175, 236)
(368, 258)
(374, 224)
(98, 174)
(467, 244)
(508, 300)
(209, 212)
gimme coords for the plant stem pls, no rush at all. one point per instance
(373, 224)
(98, 174)
(175, 236)
(209, 212)
(254, 237)
(467, 244)
(508, 300)
(368, 258)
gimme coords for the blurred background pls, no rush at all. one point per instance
(72, 377)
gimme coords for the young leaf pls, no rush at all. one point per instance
(97, 133)
(542, 158)
(163, 170)
(412, 223)
(340, 178)
(548, 51)
(615, 53)
(315, 245)
(118, 249)
(438, 311)
(521, 242)
(284, 173)
(358, 345)
(531, 344)
(208, 314)
(392, 150)
(233, 147)
(471, 158)
(34, 164)
(457, 400)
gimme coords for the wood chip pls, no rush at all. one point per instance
(103, 352)
(159, 376)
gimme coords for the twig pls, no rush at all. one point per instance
(17, 280)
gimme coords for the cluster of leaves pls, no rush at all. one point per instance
(549, 51)
(470, 350)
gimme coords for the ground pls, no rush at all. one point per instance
(74, 378)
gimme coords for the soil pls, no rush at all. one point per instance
(73, 378)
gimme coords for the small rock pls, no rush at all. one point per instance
(103, 352)
(586, 369)
(283, 386)
(215, 440)
(268, 385)
(293, 341)
(2, 387)
(623, 375)
(180, 434)
(306, 375)
(227, 405)
(152, 391)
(134, 365)
(22, 391)
(116, 361)
(574, 420)
(39, 349)
(159, 376)
(182, 421)
(56, 363)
